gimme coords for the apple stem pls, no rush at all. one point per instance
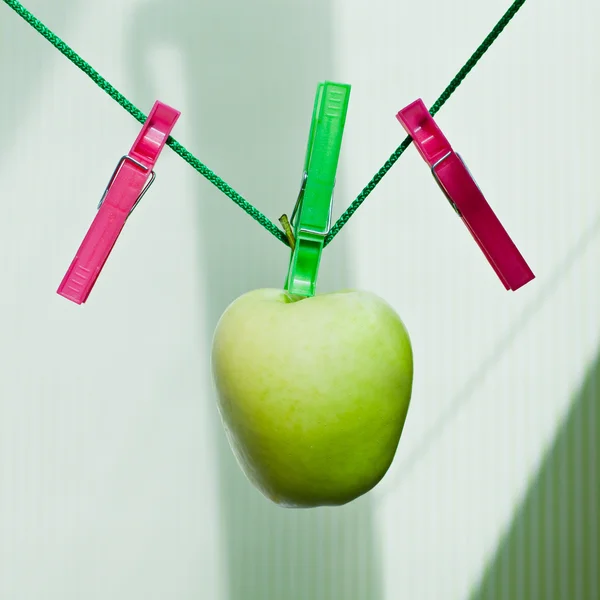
(287, 228)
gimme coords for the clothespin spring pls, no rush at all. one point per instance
(113, 176)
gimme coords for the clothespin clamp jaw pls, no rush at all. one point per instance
(465, 196)
(132, 177)
(312, 215)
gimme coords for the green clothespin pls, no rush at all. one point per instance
(311, 218)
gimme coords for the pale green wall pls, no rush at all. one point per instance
(550, 550)
(115, 477)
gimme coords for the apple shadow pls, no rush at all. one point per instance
(251, 71)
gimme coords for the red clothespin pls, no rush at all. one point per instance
(464, 195)
(130, 180)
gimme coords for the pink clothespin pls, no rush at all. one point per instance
(130, 180)
(464, 195)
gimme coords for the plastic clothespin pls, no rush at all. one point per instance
(464, 195)
(311, 218)
(130, 180)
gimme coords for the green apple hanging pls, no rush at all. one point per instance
(313, 390)
(313, 393)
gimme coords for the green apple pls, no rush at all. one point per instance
(313, 392)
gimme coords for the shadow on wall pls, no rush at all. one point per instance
(23, 61)
(551, 549)
(251, 71)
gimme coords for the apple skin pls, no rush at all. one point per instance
(313, 392)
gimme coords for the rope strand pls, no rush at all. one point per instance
(213, 177)
(445, 95)
(141, 117)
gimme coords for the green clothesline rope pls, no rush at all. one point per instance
(141, 117)
(213, 177)
(458, 79)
